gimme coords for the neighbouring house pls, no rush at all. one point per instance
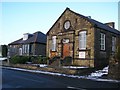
(3, 50)
(87, 41)
(30, 45)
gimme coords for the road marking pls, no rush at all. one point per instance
(75, 88)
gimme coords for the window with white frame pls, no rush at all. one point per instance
(28, 46)
(20, 51)
(102, 41)
(23, 48)
(82, 40)
(113, 44)
(53, 43)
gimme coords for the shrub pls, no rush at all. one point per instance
(55, 58)
(39, 59)
(44, 60)
(19, 59)
(67, 61)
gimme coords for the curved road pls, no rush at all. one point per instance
(21, 79)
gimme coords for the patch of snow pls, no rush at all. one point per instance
(74, 67)
(99, 73)
(1, 59)
(43, 65)
(65, 75)
(40, 65)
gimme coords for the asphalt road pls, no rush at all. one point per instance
(21, 79)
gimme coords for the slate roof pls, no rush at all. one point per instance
(94, 22)
(37, 37)
(104, 26)
(16, 42)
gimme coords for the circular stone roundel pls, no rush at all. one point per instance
(67, 25)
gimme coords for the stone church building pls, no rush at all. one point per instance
(87, 41)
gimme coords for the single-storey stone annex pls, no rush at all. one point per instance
(87, 41)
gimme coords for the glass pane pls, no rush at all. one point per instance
(82, 40)
(53, 43)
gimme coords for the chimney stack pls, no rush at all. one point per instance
(111, 24)
(25, 36)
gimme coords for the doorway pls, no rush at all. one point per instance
(66, 49)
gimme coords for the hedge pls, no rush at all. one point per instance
(24, 59)
(39, 59)
(19, 59)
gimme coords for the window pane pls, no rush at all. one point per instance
(54, 43)
(102, 41)
(23, 48)
(28, 49)
(113, 44)
(82, 40)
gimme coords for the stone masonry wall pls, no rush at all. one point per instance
(77, 24)
(102, 56)
(114, 64)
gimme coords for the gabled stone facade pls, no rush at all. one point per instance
(67, 30)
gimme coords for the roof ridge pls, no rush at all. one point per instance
(114, 30)
(93, 21)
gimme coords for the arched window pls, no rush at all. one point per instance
(53, 43)
(82, 40)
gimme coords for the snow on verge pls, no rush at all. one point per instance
(99, 73)
(1, 59)
(59, 74)
(40, 65)
(74, 67)
(43, 65)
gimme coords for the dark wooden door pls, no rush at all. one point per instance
(66, 50)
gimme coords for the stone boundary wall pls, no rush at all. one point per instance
(82, 71)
